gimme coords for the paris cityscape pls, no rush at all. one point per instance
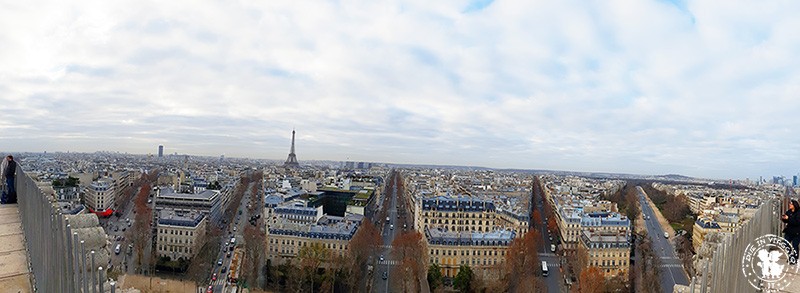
(399, 146)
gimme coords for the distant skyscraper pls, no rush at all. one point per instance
(291, 161)
(161, 151)
(794, 180)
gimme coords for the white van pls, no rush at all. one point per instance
(116, 249)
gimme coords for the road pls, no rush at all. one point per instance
(672, 271)
(388, 234)
(239, 222)
(555, 279)
(122, 262)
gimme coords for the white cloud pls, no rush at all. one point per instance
(705, 89)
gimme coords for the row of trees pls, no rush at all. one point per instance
(203, 262)
(254, 237)
(674, 208)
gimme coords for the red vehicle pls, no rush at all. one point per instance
(210, 289)
(214, 277)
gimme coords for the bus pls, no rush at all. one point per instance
(544, 268)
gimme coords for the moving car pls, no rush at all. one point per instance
(214, 277)
(219, 262)
(385, 275)
(381, 257)
(552, 248)
(666, 235)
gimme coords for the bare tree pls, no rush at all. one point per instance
(364, 243)
(410, 249)
(591, 280)
(521, 256)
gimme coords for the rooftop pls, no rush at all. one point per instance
(472, 238)
(174, 217)
(206, 195)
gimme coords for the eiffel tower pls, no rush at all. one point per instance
(291, 161)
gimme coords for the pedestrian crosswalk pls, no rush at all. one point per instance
(672, 265)
(388, 262)
(385, 246)
(553, 265)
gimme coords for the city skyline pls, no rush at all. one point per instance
(652, 87)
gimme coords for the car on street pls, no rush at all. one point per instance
(381, 257)
(210, 289)
(385, 275)
(666, 235)
(228, 254)
(224, 269)
(219, 262)
(391, 227)
(214, 277)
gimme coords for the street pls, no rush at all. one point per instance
(239, 222)
(388, 233)
(555, 279)
(672, 271)
(119, 228)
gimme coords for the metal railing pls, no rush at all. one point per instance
(58, 257)
(724, 272)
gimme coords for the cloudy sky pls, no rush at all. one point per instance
(700, 88)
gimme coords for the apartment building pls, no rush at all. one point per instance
(484, 252)
(285, 238)
(702, 227)
(180, 233)
(607, 250)
(469, 213)
(100, 196)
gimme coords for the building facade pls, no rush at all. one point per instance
(607, 250)
(702, 227)
(100, 195)
(286, 237)
(483, 252)
(180, 234)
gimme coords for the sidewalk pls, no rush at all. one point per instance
(14, 274)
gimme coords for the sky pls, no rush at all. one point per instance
(699, 88)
